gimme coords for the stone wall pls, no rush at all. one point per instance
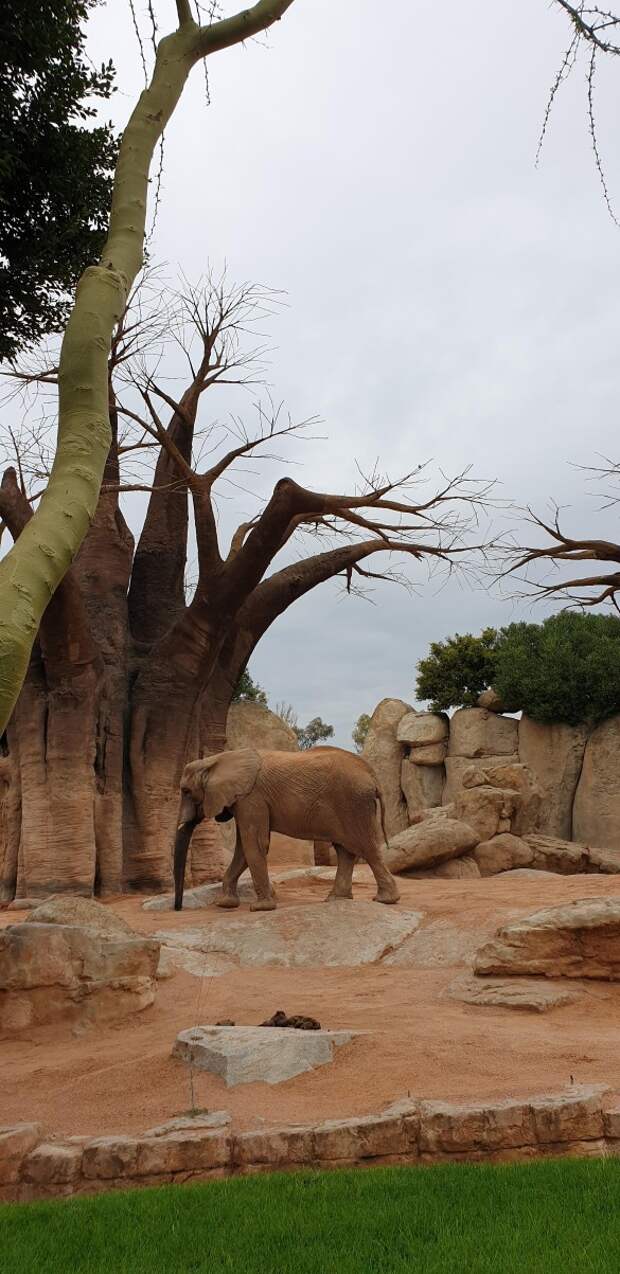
(567, 776)
(584, 1121)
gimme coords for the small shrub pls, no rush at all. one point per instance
(457, 670)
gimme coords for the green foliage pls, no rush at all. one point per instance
(360, 730)
(247, 690)
(565, 669)
(316, 731)
(548, 1217)
(55, 169)
(457, 670)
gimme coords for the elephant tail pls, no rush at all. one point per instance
(382, 816)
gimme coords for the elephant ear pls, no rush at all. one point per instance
(226, 777)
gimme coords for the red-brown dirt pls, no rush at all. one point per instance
(123, 1079)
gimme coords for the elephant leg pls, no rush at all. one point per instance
(265, 894)
(254, 833)
(387, 889)
(229, 896)
(343, 884)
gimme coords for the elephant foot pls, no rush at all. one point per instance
(333, 896)
(228, 901)
(387, 896)
(263, 904)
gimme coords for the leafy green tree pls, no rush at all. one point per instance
(248, 691)
(316, 731)
(565, 669)
(360, 730)
(55, 168)
(457, 670)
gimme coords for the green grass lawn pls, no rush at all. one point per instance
(548, 1217)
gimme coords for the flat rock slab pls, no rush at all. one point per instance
(519, 993)
(257, 1054)
(580, 939)
(439, 945)
(329, 934)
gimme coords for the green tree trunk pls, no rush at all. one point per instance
(38, 561)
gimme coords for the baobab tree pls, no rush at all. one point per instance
(32, 571)
(130, 676)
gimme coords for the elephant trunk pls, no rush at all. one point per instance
(181, 846)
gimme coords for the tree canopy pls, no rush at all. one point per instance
(247, 690)
(566, 669)
(55, 167)
(316, 731)
(360, 730)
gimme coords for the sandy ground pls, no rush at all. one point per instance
(123, 1079)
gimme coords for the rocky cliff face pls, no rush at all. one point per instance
(498, 774)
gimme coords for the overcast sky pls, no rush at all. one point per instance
(447, 301)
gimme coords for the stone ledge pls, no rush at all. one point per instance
(576, 1122)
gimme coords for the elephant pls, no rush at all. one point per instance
(323, 793)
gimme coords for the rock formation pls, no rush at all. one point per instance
(328, 935)
(73, 974)
(384, 753)
(596, 810)
(252, 725)
(503, 777)
(554, 755)
(476, 732)
(429, 843)
(577, 940)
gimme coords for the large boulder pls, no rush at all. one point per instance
(71, 909)
(554, 754)
(422, 786)
(429, 753)
(73, 975)
(569, 857)
(478, 732)
(458, 767)
(419, 728)
(486, 809)
(596, 808)
(490, 700)
(428, 843)
(507, 852)
(251, 725)
(333, 934)
(463, 868)
(384, 754)
(511, 776)
(503, 853)
(580, 939)
(257, 1054)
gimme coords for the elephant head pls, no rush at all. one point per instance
(209, 789)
